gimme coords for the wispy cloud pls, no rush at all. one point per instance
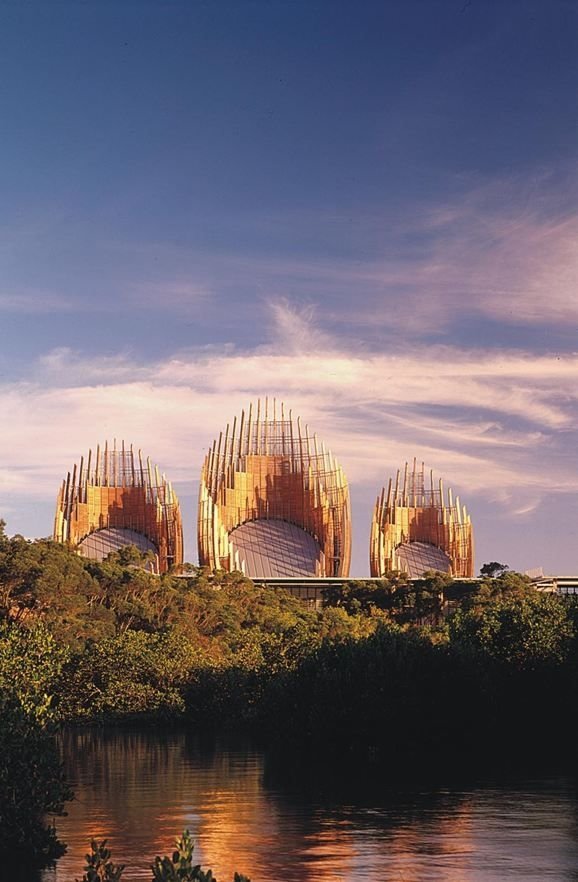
(65, 366)
(294, 329)
(503, 250)
(492, 423)
(180, 295)
(34, 301)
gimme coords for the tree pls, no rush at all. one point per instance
(524, 632)
(31, 779)
(493, 569)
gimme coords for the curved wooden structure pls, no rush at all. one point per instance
(273, 501)
(117, 499)
(414, 529)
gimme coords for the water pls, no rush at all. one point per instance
(139, 789)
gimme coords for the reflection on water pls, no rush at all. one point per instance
(140, 789)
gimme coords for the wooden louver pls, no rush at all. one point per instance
(265, 471)
(414, 512)
(117, 493)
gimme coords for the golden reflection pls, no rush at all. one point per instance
(140, 790)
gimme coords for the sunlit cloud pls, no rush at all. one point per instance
(486, 421)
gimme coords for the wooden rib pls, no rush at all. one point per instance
(420, 516)
(308, 489)
(91, 497)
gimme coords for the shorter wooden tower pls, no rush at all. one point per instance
(115, 499)
(415, 528)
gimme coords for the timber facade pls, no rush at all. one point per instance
(273, 501)
(417, 527)
(116, 498)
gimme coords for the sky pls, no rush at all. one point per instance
(366, 209)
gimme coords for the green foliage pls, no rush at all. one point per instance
(177, 868)
(361, 697)
(393, 596)
(31, 779)
(493, 569)
(475, 594)
(381, 671)
(180, 867)
(521, 631)
(131, 673)
(31, 661)
(31, 783)
(99, 867)
(119, 641)
(382, 662)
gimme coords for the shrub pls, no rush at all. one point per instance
(31, 778)
(523, 632)
(178, 867)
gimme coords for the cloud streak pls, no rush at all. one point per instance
(485, 420)
(503, 250)
(35, 301)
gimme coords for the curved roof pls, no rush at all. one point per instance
(99, 544)
(270, 548)
(418, 557)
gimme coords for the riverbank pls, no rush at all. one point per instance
(377, 675)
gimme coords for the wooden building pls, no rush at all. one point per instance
(273, 501)
(114, 499)
(416, 528)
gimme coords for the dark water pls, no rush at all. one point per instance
(139, 789)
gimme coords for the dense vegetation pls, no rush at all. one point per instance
(421, 670)
(31, 779)
(132, 643)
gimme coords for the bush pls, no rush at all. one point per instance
(31, 778)
(129, 674)
(178, 867)
(524, 632)
(32, 785)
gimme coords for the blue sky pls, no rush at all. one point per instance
(369, 210)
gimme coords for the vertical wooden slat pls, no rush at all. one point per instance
(286, 477)
(421, 515)
(89, 498)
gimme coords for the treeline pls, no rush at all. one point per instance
(114, 641)
(387, 672)
(131, 643)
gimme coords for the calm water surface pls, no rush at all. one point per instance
(139, 789)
